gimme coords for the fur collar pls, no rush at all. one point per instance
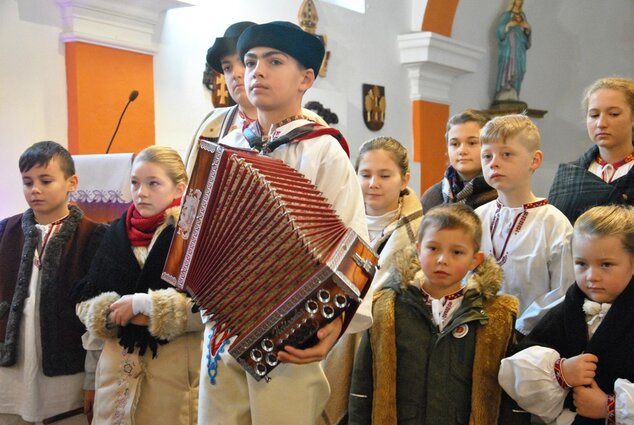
(485, 279)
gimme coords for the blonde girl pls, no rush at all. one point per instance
(148, 369)
(578, 367)
(604, 173)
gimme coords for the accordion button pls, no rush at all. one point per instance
(267, 345)
(271, 359)
(311, 306)
(256, 355)
(260, 369)
(340, 301)
(327, 311)
(323, 295)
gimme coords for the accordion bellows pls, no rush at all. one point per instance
(264, 254)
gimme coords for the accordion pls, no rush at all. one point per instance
(263, 253)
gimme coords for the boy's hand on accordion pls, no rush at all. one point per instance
(327, 337)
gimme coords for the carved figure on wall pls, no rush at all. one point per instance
(216, 84)
(307, 18)
(374, 106)
(514, 39)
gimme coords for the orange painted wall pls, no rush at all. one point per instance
(429, 120)
(99, 81)
(439, 15)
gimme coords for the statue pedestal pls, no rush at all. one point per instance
(506, 107)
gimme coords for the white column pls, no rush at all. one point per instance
(123, 24)
(433, 61)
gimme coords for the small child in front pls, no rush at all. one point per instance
(433, 352)
(44, 252)
(529, 238)
(579, 367)
(281, 63)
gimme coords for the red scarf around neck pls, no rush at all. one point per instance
(141, 229)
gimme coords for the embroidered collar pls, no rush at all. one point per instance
(608, 170)
(442, 310)
(518, 222)
(428, 298)
(286, 121)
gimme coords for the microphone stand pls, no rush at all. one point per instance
(133, 95)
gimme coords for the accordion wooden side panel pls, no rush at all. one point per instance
(259, 248)
(192, 213)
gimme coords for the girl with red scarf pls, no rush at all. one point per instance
(150, 333)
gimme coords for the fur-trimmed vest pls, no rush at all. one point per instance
(116, 272)
(377, 386)
(67, 259)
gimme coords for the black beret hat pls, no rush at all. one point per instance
(286, 37)
(226, 45)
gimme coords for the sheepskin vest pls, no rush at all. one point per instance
(67, 259)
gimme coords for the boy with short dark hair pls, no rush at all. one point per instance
(282, 62)
(43, 253)
(528, 237)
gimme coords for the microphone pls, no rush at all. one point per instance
(133, 95)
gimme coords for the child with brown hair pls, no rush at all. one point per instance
(463, 181)
(282, 62)
(433, 352)
(44, 252)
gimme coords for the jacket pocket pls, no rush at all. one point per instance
(407, 413)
